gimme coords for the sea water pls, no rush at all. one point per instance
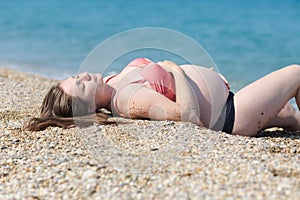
(246, 39)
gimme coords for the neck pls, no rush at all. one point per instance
(106, 103)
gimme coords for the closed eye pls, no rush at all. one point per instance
(80, 85)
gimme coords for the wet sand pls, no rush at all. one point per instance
(136, 159)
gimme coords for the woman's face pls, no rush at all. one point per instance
(88, 87)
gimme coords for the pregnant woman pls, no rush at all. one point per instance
(166, 91)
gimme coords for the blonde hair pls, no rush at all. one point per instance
(62, 110)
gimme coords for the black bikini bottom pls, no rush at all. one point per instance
(227, 116)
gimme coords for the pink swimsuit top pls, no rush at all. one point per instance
(159, 79)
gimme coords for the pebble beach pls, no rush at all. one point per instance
(135, 159)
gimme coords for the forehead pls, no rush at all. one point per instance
(67, 85)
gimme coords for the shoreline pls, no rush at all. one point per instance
(136, 160)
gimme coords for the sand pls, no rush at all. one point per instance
(136, 159)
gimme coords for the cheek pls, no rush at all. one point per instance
(88, 95)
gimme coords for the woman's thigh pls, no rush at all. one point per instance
(262, 100)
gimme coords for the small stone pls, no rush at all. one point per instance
(15, 141)
(87, 174)
(3, 147)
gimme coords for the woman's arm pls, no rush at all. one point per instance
(185, 95)
(137, 101)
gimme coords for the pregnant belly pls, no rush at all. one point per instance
(210, 90)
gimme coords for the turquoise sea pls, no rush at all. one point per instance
(246, 39)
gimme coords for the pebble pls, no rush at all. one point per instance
(87, 174)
